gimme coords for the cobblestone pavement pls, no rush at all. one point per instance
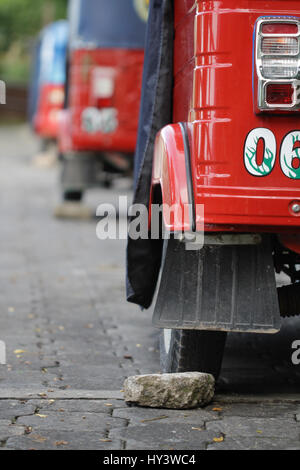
(72, 339)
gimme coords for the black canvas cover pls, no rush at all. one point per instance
(108, 23)
(144, 256)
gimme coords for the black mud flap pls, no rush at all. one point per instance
(227, 288)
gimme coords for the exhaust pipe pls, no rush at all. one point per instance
(289, 300)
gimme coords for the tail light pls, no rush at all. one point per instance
(277, 64)
(103, 86)
(56, 96)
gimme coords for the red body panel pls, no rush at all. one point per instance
(213, 68)
(50, 104)
(126, 67)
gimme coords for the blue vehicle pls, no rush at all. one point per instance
(46, 98)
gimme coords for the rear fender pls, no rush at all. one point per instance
(171, 171)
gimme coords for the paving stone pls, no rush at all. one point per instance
(82, 406)
(69, 421)
(246, 443)
(160, 435)
(27, 378)
(137, 415)
(105, 377)
(8, 429)
(57, 440)
(256, 410)
(240, 427)
(10, 409)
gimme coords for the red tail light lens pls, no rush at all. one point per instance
(104, 102)
(279, 28)
(279, 93)
(103, 86)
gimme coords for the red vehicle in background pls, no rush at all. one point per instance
(46, 98)
(229, 145)
(99, 124)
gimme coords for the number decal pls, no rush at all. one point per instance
(250, 152)
(290, 155)
(99, 120)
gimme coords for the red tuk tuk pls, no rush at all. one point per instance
(228, 141)
(99, 125)
(46, 97)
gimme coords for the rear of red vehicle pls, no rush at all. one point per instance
(238, 93)
(104, 98)
(99, 125)
(233, 151)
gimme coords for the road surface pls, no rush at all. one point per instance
(71, 338)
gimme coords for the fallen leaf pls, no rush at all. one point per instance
(196, 429)
(19, 351)
(105, 440)
(38, 438)
(259, 432)
(41, 416)
(61, 328)
(218, 439)
(217, 409)
(61, 443)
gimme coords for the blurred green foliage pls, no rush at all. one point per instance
(20, 22)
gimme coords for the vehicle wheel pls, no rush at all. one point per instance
(192, 351)
(74, 196)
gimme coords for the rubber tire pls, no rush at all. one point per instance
(75, 196)
(193, 351)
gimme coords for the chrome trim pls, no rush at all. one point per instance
(262, 81)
